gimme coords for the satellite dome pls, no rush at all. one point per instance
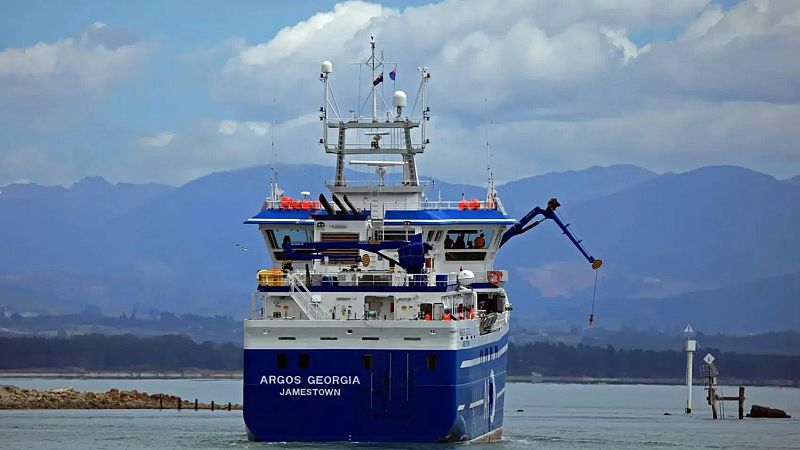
(399, 99)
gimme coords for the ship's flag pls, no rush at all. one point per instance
(378, 80)
(393, 74)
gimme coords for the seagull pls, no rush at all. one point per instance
(242, 247)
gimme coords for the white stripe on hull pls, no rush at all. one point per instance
(480, 360)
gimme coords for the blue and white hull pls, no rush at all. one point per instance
(371, 394)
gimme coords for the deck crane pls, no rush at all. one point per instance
(549, 213)
(524, 225)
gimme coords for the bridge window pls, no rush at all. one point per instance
(475, 239)
(278, 236)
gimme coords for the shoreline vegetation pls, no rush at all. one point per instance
(177, 357)
(12, 397)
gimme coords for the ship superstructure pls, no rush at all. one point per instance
(384, 318)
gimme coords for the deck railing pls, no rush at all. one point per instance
(467, 204)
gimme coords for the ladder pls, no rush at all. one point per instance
(302, 296)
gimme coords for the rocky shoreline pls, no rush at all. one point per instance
(12, 397)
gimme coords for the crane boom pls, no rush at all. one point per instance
(524, 224)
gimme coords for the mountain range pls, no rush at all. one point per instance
(714, 246)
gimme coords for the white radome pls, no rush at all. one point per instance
(465, 275)
(399, 99)
(327, 67)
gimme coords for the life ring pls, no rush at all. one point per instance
(494, 277)
(475, 204)
(463, 204)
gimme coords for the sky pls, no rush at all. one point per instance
(166, 92)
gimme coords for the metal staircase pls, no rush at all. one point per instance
(302, 296)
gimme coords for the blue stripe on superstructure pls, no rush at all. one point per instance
(398, 399)
(282, 216)
(447, 217)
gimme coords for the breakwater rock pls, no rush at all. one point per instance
(12, 397)
(759, 411)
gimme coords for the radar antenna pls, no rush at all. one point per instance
(398, 133)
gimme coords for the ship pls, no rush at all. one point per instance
(383, 318)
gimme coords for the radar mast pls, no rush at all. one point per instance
(391, 132)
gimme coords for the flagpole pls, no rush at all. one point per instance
(374, 86)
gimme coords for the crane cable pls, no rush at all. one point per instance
(594, 296)
(594, 292)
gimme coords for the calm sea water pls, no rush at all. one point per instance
(552, 416)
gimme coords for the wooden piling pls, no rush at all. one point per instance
(212, 405)
(712, 392)
(179, 403)
(741, 402)
(160, 402)
(195, 405)
(229, 406)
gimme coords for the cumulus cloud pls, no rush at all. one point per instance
(231, 127)
(161, 139)
(565, 84)
(747, 53)
(207, 146)
(228, 127)
(36, 80)
(672, 136)
(480, 50)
